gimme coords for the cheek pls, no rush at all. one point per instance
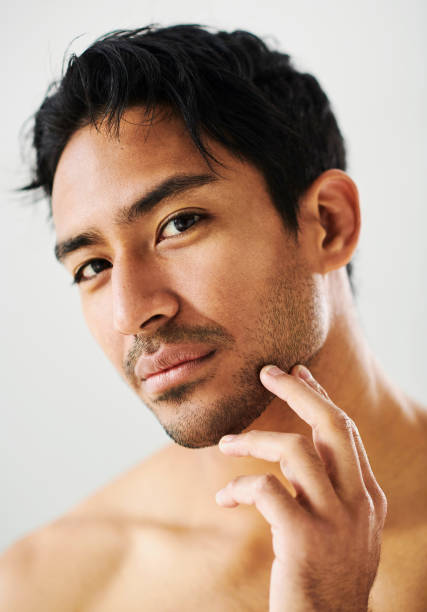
(226, 280)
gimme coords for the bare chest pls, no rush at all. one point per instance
(173, 570)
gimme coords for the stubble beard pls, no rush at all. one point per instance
(291, 328)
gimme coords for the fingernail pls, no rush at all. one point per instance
(220, 496)
(272, 370)
(226, 439)
(304, 373)
(219, 493)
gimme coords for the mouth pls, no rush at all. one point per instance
(177, 374)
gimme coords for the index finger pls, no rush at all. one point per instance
(332, 431)
(312, 407)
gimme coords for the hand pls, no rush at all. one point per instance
(326, 539)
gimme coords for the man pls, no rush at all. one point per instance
(201, 204)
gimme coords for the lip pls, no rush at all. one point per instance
(172, 365)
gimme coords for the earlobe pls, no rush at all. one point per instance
(335, 202)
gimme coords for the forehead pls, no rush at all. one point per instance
(97, 173)
(96, 167)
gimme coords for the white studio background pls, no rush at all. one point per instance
(69, 424)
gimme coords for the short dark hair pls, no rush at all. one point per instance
(228, 85)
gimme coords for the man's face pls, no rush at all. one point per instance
(207, 270)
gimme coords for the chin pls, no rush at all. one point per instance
(200, 424)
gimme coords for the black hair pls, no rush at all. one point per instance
(228, 85)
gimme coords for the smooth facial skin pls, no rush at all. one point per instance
(232, 277)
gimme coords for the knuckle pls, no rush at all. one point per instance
(351, 425)
(231, 486)
(266, 482)
(299, 442)
(341, 421)
(251, 435)
(346, 423)
(301, 446)
(323, 392)
(363, 504)
(382, 503)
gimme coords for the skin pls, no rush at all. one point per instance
(189, 282)
(336, 497)
(299, 477)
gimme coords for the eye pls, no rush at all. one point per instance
(97, 266)
(174, 227)
(179, 224)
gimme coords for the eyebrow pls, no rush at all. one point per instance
(169, 188)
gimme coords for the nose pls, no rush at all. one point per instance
(142, 300)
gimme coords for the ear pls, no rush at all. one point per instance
(330, 220)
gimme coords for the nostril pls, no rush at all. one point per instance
(153, 318)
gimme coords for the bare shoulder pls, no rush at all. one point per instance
(67, 564)
(62, 565)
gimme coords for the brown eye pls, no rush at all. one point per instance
(179, 224)
(97, 266)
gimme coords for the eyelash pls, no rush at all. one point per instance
(78, 277)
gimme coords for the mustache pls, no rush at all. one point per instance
(144, 345)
